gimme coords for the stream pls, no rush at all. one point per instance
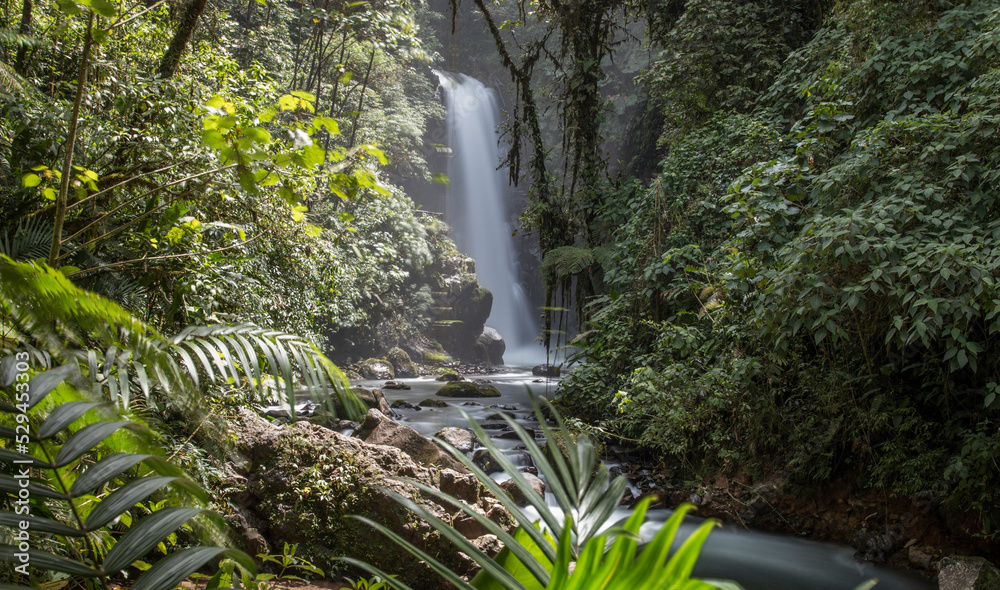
(757, 561)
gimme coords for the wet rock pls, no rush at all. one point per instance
(471, 404)
(498, 417)
(485, 461)
(481, 380)
(434, 403)
(460, 438)
(921, 557)
(401, 362)
(468, 389)
(545, 370)
(347, 425)
(376, 369)
(449, 375)
(967, 573)
(395, 385)
(278, 413)
(400, 403)
(492, 345)
(382, 404)
(516, 494)
(378, 429)
(512, 435)
(276, 498)
(505, 407)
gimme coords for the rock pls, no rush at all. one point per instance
(468, 389)
(378, 429)
(967, 573)
(297, 484)
(545, 370)
(377, 369)
(434, 403)
(921, 557)
(449, 375)
(485, 461)
(400, 403)
(459, 438)
(401, 362)
(517, 494)
(498, 417)
(278, 413)
(395, 385)
(492, 344)
(382, 403)
(505, 407)
(471, 404)
(513, 435)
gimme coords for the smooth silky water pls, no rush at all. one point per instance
(757, 561)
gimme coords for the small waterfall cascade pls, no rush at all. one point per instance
(477, 211)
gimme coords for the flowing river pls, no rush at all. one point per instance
(757, 561)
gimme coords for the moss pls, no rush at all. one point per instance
(468, 389)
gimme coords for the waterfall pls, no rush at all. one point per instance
(477, 212)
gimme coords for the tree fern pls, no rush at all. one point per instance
(571, 260)
(45, 315)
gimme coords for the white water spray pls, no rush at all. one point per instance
(476, 211)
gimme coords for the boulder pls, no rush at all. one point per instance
(485, 461)
(449, 375)
(967, 573)
(402, 403)
(297, 484)
(492, 344)
(433, 403)
(395, 385)
(515, 492)
(401, 362)
(378, 429)
(545, 370)
(459, 438)
(380, 369)
(468, 389)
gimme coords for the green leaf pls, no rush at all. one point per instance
(35, 487)
(41, 560)
(63, 416)
(104, 470)
(43, 383)
(145, 535)
(168, 572)
(30, 180)
(124, 498)
(104, 8)
(37, 524)
(85, 439)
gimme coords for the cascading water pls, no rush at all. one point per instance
(477, 211)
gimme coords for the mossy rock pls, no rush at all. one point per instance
(468, 389)
(449, 375)
(434, 403)
(377, 369)
(402, 363)
(298, 484)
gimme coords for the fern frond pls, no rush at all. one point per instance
(29, 240)
(567, 260)
(49, 313)
(12, 83)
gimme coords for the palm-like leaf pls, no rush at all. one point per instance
(50, 433)
(49, 315)
(28, 241)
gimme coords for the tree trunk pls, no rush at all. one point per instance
(67, 171)
(22, 52)
(172, 58)
(361, 99)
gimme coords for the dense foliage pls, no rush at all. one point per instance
(807, 286)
